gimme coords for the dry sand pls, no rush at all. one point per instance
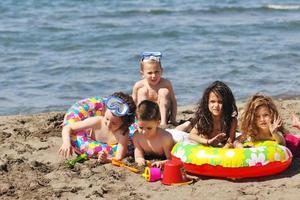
(31, 169)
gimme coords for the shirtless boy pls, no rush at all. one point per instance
(149, 139)
(155, 88)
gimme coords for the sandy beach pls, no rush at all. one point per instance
(30, 168)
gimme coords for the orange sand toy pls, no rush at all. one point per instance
(121, 164)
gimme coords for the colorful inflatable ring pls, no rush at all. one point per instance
(80, 140)
(85, 108)
(265, 158)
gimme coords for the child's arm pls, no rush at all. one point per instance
(168, 144)
(135, 89)
(238, 142)
(138, 151)
(205, 141)
(273, 129)
(278, 137)
(295, 121)
(231, 140)
(173, 102)
(134, 93)
(122, 147)
(120, 154)
(66, 149)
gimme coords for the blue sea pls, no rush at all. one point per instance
(54, 53)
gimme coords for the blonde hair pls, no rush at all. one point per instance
(152, 61)
(248, 125)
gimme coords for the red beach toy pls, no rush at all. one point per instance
(174, 173)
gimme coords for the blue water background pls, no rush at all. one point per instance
(54, 53)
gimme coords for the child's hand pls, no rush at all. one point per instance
(238, 145)
(102, 156)
(158, 164)
(140, 162)
(277, 122)
(295, 121)
(65, 150)
(229, 145)
(217, 139)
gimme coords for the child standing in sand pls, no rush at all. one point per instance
(260, 120)
(215, 119)
(110, 129)
(155, 88)
(149, 139)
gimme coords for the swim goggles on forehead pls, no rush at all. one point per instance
(151, 55)
(117, 106)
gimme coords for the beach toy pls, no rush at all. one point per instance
(121, 164)
(264, 158)
(174, 173)
(152, 174)
(81, 157)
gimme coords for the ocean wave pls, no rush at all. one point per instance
(196, 10)
(241, 9)
(283, 7)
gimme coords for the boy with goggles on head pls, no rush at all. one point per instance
(149, 139)
(112, 129)
(155, 88)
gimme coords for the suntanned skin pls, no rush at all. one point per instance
(267, 128)
(215, 105)
(157, 89)
(106, 129)
(152, 140)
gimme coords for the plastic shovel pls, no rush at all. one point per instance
(121, 164)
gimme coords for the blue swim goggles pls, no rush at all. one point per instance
(151, 55)
(117, 106)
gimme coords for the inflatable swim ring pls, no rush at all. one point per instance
(265, 158)
(81, 140)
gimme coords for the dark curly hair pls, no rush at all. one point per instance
(129, 118)
(203, 118)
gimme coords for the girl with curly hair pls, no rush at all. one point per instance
(260, 121)
(215, 119)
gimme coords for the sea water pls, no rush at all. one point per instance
(54, 53)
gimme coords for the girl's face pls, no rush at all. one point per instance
(112, 122)
(148, 128)
(151, 72)
(263, 117)
(215, 104)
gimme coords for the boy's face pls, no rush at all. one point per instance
(112, 122)
(215, 104)
(151, 71)
(263, 118)
(148, 128)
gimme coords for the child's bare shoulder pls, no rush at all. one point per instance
(165, 81)
(165, 135)
(139, 84)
